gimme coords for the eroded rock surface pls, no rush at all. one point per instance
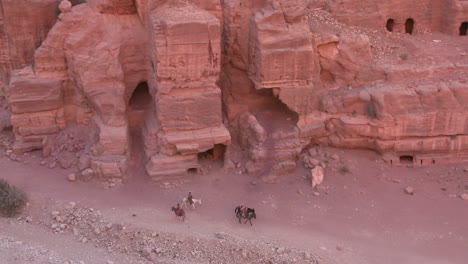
(163, 84)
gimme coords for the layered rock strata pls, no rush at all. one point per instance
(159, 80)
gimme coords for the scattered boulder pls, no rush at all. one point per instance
(409, 190)
(65, 6)
(310, 162)
(84, 162)
(87, 174)
(52, 165)
(71, 177)
(335, 157)
(464, 196)
(317, 175)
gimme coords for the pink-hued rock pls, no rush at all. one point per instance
(24, 25)
(65, 6)
(281, 52)
(161, 166)
(31, 93)
(160, 81)
(317, 175)
(120, 7)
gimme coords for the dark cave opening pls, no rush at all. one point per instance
(141, 98)
(139, 106)
(406, 160)
(409, 26)
(463, 28)
(390, 24)
(216, 153)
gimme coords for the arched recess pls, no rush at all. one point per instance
(409, 26)
(138, 112)
(390, 24)
(141, 98)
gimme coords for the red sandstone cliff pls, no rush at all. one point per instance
(173, 76)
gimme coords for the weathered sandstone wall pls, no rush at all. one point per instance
(169, 80)
(23, 26)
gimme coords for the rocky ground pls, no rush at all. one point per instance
(364, 211)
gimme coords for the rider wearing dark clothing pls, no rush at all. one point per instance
(190, 198)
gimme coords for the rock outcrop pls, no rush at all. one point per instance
(160, 82)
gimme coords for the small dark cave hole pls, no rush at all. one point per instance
(390, 24)
(409, 26)
(463, 28)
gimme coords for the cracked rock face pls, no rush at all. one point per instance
(168, 83)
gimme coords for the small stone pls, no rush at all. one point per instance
(158, 250)
(145, 252)
(244, 254)
(28, 219)
(43, 162)
(71, 177)
(464, 196)
(55, 213)
(72, 204)
(220, 235)
(312, 152)
(109, 262)
(316, 193)
(306, 255)
(152, 257)
(97, 231)
(253, 183)
(109, 226)
(335, 157)
(52, 165)
(280, 250)
(75, 232)
(84, 240)
(409, 190)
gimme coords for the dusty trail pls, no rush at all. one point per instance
(364, 218)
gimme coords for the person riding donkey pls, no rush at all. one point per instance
(190, 198)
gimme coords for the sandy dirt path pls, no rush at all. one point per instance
(359, 217)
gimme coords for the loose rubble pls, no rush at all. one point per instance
(88, 225)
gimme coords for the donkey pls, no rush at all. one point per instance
(179, 212)
(194, 201)
(245, 212)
